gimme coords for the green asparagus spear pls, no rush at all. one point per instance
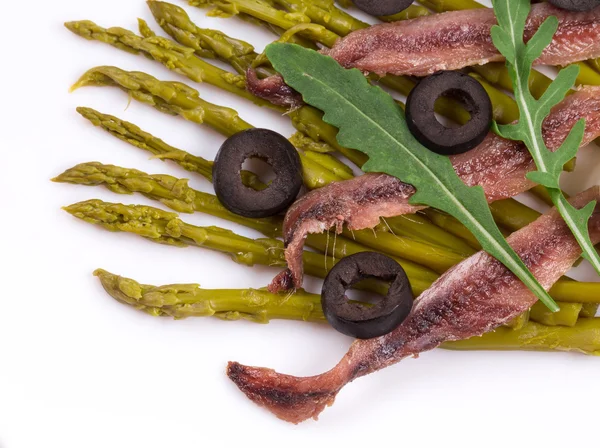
(174, 56)
(206, 43)
(572, 292)
(519, 322)
(176, 194)
(209, 43)
(542, 193)
(589, 310)
(595, 64)
(420, 228)
(166, 228)
(257, 305)
(333, 164)
(173, 192)
(133, 135)
(566, 316)
(452, 225)
(450, 5)
(584, 338)
(496, 73)
(513, 215)
(175, 21)
(412, 12)
(325, 14)
(587, 75)
(266, 12)
(189, 300)
(176, 98)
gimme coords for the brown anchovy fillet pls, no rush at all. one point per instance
(273, 89)
(453, 40)
(459, 39)
(498, 165)
(472, 298)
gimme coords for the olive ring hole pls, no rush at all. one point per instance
(261, 167)
(464, 107)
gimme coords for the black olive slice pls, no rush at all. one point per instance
(576, 5)
(273, 149)
(382, 7)
(355, 319)
(422, 122)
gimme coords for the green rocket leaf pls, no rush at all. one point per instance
(370, 121)
(508, 38)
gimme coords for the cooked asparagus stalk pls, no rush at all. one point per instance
(589, 310)
(176, 194)
(566, 316)
(172, 55)
(173, 192)
(542, 193)
(512, 214)
(266, 12)
(257, 305)
(134, 135)
(176, 22)
(189, 300)
(176, 98)
(164, 227)
(325, 14)
(452, 225)
(420, 228)
(584, 338)
(571, 291)
(206, 43)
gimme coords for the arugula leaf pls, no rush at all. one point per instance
(508, 39)
(370, 121)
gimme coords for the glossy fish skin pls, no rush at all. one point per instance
(472, 298)
(498, 165)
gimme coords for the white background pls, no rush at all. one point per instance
(79, 370)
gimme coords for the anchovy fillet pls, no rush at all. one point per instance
(472, 298)
(447, 41)
(459, 39)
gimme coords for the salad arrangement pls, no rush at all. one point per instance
(425, 194)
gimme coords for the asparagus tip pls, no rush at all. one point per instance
(101, 273)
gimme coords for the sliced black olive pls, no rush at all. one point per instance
(576, 5)
(382, 7)
(422, 122)
(355, 319)
(273, 149)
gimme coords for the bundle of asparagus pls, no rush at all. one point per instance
(425, 244)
